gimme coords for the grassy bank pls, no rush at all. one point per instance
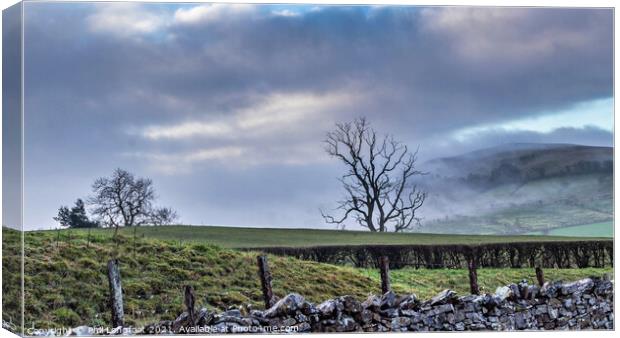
(237, 237)
(66, 280)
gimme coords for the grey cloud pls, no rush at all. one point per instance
(420, 74)
(390, 53)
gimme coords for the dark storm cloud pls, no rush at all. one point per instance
(171, 89)
(419, 70)
(432, 64)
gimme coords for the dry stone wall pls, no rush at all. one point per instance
(582, 305)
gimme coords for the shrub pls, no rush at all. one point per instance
(566, 254)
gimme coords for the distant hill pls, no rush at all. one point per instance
(519, 188)
(524, 162)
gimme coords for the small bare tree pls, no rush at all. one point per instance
(379, 193)
(122, 200)
(163, 216)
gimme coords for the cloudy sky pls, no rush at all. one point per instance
(225, 106)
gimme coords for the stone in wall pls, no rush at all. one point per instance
(584, 304)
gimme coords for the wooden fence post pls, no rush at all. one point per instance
(540, 276)
(265, 280)
(57, 237)
(116, 293)
(473, 277)
(88, 240)
(190, 300)
(384, 266)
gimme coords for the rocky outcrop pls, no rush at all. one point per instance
(584, 304)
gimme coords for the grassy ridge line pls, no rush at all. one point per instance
(240, 237)
(66, 282)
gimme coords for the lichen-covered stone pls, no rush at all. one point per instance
(408, 302)
(388, 300)
(580, 286)
(443, 297)
(286, 305)
(584, 304)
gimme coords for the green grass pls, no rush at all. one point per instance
(237, 237)
(603, 229)
(66, 283)
(69, 278)
(427, 283)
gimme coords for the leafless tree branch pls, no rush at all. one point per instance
(379, 194)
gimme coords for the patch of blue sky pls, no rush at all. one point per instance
(595, 113)
(291, 8)
(302, 9)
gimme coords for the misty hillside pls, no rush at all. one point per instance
(519, 188)
(523, 162)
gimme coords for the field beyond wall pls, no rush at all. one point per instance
(242, 237)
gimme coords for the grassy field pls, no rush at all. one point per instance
(237, 237)
(603, 229)
(66, 280)
(426, 283)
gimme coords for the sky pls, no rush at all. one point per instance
(225, 106)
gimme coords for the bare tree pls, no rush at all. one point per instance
(379, 193)
(163, 216)
(122, 199)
